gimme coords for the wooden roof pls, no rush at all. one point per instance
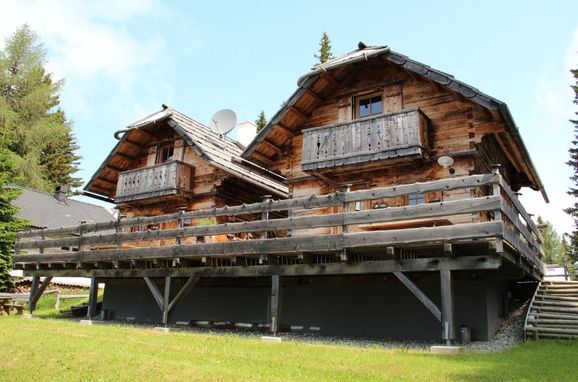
(224, 154)
(314, 86)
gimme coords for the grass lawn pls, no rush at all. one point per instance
(61, 350)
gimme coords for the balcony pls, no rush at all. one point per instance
(385, 136)
(169, 178)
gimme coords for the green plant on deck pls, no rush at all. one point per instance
(205, 221)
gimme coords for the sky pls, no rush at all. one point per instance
(121, 60)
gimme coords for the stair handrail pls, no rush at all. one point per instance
(530, 308)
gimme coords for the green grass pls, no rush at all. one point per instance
(59, 350)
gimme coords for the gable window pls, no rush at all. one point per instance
(369, 105)
(165, 153)
(415, 199)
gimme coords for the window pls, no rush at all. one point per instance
(165, 153)
(415, 198)
(369, 105)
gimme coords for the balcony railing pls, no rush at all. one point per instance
(497, 223)
(393, 135)
(169, 178)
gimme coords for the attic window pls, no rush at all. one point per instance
(369, 105)
(165, 153)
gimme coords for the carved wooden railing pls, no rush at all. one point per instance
(153, 181)
(384, 136)
(501, 220)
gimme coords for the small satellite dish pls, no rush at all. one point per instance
(223, 121)
(445, 161)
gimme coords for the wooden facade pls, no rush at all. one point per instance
(351, 162)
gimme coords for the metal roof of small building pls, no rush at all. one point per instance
(42, 209)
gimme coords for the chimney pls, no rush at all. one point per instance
(246, 133)
(61, 192)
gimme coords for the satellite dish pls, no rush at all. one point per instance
(445, 161)
(223, 121)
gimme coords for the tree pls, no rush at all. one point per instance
(261, 121)
(32, 125)
(573, 191)
(554, 252)
(9, 223)
(324, 49)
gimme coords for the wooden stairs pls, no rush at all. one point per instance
(553, 311)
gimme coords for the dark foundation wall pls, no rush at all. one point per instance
(376, 307)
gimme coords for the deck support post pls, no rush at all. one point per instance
(163, 300)
(276, 287)
(92, 298)
(166, 300)
(36, 291)
(447, 311)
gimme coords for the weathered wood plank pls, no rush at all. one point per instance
(276, 287)
(191, 282)
(447, 308)
(521, 209)
(155, 291)
(341, 268)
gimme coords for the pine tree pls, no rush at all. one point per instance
(324, 49)
(32, 125)
(573, 191)
(261, 121)
(9, 223)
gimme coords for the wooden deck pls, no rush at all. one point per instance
(484, 232)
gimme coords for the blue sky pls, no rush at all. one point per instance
(122, 59)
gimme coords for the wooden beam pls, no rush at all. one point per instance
(105, 180)
(92, 298)
(285, 129)
(272, 146)
(420, 295)
(316, 98)
(447, 310)
(166, 300)
(136, 144)
(299, 113)
(256, 155)
(155, 291)
(191, 282)
(353, 268)
(329, 78)
(127, 157)
(276, 288)
(37, 290)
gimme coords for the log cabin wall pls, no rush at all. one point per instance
(456, 127)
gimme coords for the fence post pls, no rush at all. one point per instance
(81, 231)
(497, 191)
(345, 227)
(264, 234)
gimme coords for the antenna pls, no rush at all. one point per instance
(223, 122)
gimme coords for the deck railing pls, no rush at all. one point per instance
(159, 180)
(392, 135)
(501, 220)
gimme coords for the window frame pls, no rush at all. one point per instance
(367, 96)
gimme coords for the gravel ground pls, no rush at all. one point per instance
(510, 333)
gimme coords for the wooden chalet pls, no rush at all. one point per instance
(394, 213)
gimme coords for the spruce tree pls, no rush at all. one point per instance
(573, 163)
(324, 49)
(9, 223)
(261, 121)
(32, 125)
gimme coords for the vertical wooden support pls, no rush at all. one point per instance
(181, 223)
(345, 227)
(448, 329)
(33, 291)
(497, 191)
(265, 234)
(92, 298)
(276, 288)
(166, 300)
(81, 231)
(117, 230)
(42, 237)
